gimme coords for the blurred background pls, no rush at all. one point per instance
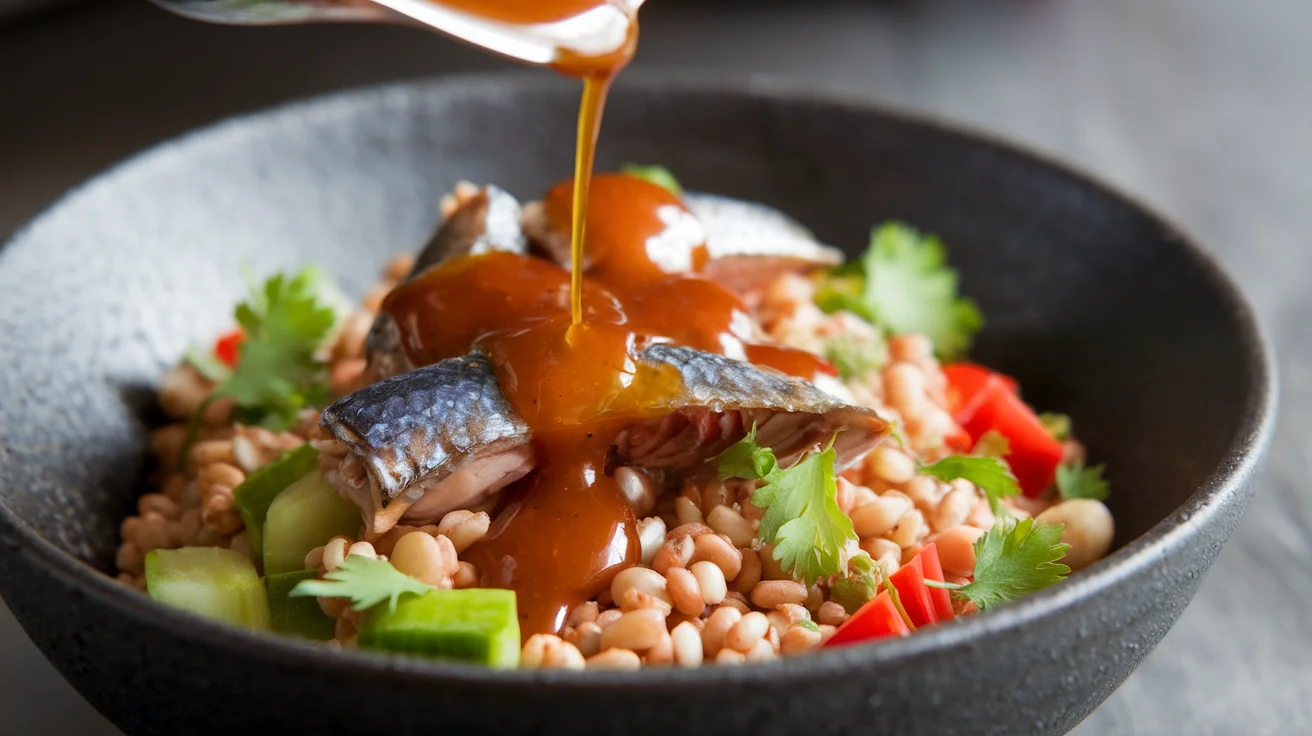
(1201, 108)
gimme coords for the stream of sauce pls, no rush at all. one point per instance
(563, 345)
(597, 71)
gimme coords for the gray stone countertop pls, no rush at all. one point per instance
(1202, 108)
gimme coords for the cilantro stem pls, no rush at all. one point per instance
(944, 586)
(897, 601)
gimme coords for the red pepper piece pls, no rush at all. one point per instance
(966, 380)
(932, 569)
(1035, 453)
(875, 620)
(988, 401)
(914, 594)
(228, 347)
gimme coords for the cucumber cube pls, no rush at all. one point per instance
(260, 488)
(297, 616)
(475, 625)
(219, 584)
(304, 516)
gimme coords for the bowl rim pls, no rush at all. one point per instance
(1233, 471)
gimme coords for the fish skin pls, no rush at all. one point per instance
(425, 425)
(794, 414)
(736, 227)
(488, 221)
(751, 244)
(712, 379)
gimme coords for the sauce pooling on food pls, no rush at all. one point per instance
(566, 529)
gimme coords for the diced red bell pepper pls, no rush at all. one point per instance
(228, 347)
(909, 580)
(994, 405)
(1035, 453)
(875, 620)
(932, 569)
(965, 381)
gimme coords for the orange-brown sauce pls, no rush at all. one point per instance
(566, 529)
(563, 342)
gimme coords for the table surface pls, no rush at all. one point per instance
(1200, 107)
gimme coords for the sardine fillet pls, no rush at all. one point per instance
(432, 440)
(723, 398)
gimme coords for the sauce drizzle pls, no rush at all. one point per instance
(590, 111)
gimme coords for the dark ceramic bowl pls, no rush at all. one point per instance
(1100, 309)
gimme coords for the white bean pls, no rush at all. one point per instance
(1089, 530)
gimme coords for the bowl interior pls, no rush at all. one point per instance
(1095, 306)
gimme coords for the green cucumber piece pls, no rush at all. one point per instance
(216, 583)
(298, 616)
(305, 515)
(477, 625)
(257, 492)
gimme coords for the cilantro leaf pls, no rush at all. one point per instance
(278, 374)
(658, 175)
(1058, 425)
(811, 543)
(748, 460)
(855, 358)
(1014, 558)
(366, 582)
(1076, 481)
(904, 284)
(990, 474)
(802, 519)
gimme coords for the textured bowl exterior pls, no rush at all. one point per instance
(1099, 308)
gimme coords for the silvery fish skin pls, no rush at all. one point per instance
(432, 440)
(487, 221)
(751, 244)
(736, 227)
(723, 398)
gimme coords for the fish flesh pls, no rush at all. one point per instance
(489, 220)
(721, 399)
(430, 441)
